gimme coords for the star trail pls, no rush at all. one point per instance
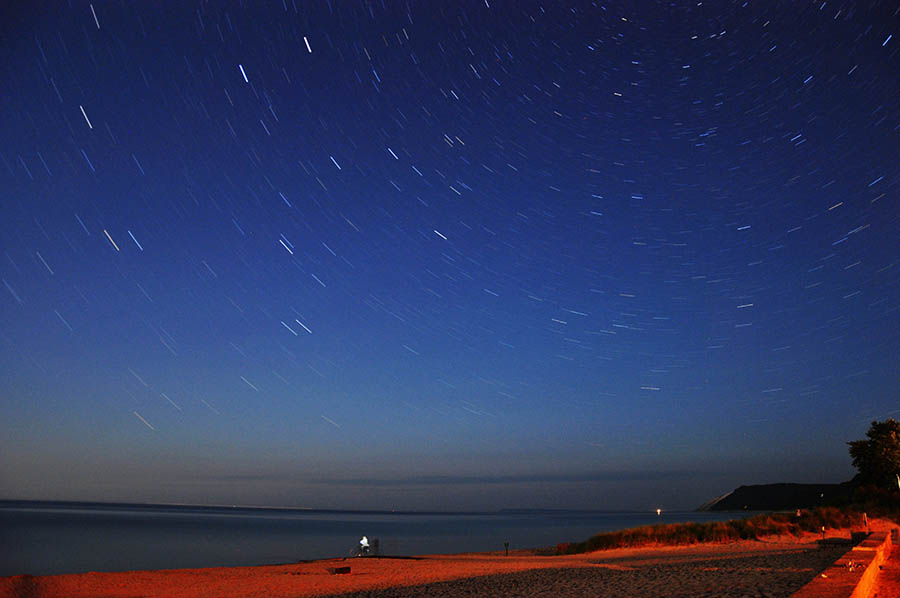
(445, 254)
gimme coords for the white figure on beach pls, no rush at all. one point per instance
(364, 545)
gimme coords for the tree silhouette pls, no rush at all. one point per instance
(878, 458)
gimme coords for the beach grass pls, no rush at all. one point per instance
(750, 528)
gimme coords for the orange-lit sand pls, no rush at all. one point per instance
(770, 568)
(887, 584)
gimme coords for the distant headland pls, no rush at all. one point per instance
(780, 497)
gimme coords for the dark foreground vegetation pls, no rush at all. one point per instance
(751, 528)
(877, 501)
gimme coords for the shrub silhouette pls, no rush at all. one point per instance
(759, 526)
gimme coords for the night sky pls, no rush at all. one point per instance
(444, 255)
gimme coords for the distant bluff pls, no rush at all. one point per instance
(779, 497)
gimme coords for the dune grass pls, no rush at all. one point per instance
(719, 531)
(876, 501)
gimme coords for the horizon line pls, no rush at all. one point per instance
(6, 502)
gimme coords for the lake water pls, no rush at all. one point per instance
(50, 538)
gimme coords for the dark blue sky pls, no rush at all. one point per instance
(445, 255)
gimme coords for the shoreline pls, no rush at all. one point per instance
(109, 540)
(778, 566)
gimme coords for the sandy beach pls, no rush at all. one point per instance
(758, 569)
(887, 584)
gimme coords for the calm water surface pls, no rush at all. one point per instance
(43, 539)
